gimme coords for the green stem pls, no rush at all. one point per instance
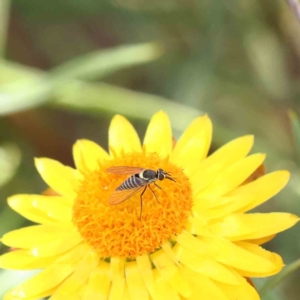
(274, 281)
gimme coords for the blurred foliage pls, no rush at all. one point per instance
(10, 156)
(296, 133)
(68, 66)
(32, 89)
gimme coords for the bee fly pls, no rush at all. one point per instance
(140, 179)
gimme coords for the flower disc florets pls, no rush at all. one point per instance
(117, 230)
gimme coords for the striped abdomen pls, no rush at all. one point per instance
(132, 182)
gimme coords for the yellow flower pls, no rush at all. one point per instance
(195, 242)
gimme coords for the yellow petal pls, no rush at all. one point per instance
(167, 248)
(42, 209)
(193, 145)
(74, 255)
(215, 202)
(123, 137)
(24, 260)
(57, 246)
(220, 160)
(162, 290)
(242, 198)
(223, 206)
(202, 287)
(253, 226)
(188, 240)
(241, 292)
(10, 295)
(60, 178)
(170, 272)
(99, 283)
(158, 138)
(79, 277)
(261, 241)
(135, 283)
(88, 155)
(204, 265)
(234, 255)
(145, 268)
(77, 295)
(263, 188)
(45, 281)
(199, 226)
(272, 260)
(33, 236)
(230, 178)
(126, 294)
(117, 278)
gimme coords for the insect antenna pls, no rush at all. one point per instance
(170, 178)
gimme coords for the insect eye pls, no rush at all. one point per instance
(161, 176)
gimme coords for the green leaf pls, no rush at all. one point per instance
(36, 90)
(24, 95)
(104, 62)
(10, 157)
(104, 97)
(276, 280)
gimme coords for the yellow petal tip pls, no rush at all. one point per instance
(204, 118)
(123, 138)
(12, 201)
(248, 140)
(249, 137)
(285, 176)
(118, 121)
(80, 141)
(295, 217)
(118, 118)
(161, 117)
(38, 162)
(286, 173)
(161, 113)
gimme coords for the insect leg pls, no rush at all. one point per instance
(160, 188)
(153, 192)
(141, 198)
(157, 185)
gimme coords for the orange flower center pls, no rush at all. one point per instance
(117, 230)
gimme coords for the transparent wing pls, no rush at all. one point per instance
(124, 170)
(120, 196)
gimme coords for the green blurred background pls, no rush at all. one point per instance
(68, 66)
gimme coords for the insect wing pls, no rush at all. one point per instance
(122, 195)
(124, 170)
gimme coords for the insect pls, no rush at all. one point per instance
(140, 179)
